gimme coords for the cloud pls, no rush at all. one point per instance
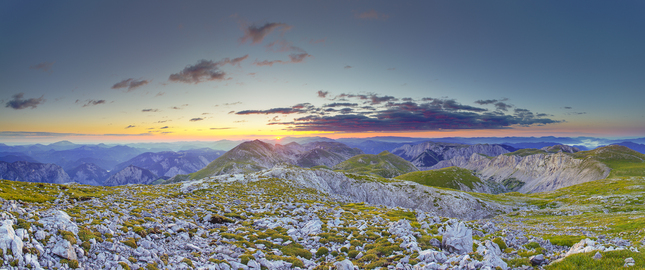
(44, 66)
(18, 103)
(26, 134)
(322, 94)
(391, 69)
(221, 128)
(283, 46)
(347, 67)
(336, 104)
(371, 15)
(196, 119)
(130, 126)
(160, 94)
(130, 83)
(164, 127)
(205, 70)
(386, 113)
(501, 106)
(149, 110)
(293, 58)
(90, 102)
(568, 108)
(486, 102)
(316, 41)
(257, 34)
(370, 97)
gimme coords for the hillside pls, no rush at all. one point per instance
(257, 155)
(385, 164)
(450, 177)
(131, 175)
(33, 172)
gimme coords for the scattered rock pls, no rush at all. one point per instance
(458, 239)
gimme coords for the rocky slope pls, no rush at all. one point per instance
(33, 172)
(384, 164)
(131, 175)
(88, 174)
(257, 155)
(171, 163)
(427, 154)
(529, 172)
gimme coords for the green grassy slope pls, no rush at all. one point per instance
(384, 164)
(449, 177)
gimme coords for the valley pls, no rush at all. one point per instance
(344, 210)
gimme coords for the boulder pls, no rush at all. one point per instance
(344, 265)
(65, 250)
(458, 239)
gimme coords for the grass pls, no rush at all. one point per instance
(449, 177)
(385, 165)
(609, 261)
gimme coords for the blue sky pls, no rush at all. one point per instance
(103, 71)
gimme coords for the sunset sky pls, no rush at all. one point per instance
(105, 71)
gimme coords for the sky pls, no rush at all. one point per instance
(110, 71)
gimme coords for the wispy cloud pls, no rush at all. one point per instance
(196, 119)
(371, 15)
(90, 102)
(347, 67)
(150, 110)
(131, 84)
(293, 58)
(17, 102)
(220, 128)
(205, 70)
(130, 126)
(30, 134)
(43, 66)
(256, 34)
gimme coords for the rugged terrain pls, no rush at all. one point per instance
(385, 165)
(427, 154)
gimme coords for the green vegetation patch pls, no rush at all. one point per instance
(612, 260)
(449, 177)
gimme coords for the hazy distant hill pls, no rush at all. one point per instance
(88, 174)
(131, 175)
(171, 163)
(33, 172)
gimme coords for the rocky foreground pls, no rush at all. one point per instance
(233, 222)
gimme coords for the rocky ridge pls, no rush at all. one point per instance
(427, 154)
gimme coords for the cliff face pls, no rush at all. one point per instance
(428, 154)
(131, 175)
(539, 172)
(33, 172)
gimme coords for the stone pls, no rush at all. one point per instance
(629, 262)
(537, 259)
(458, 239)
(65, 250)
(344, 265)
(597, 256)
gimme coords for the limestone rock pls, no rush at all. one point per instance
(458, 239)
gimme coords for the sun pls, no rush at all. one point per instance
(277, 138)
